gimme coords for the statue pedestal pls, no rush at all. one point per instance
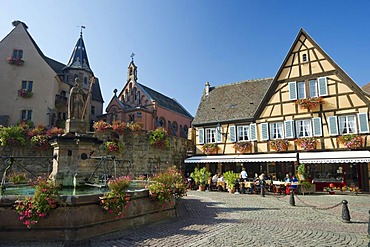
(76, 126)
(72, 167)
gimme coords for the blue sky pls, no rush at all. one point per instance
(179, 45)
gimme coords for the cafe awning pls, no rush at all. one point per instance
(277, 157)
(212, 159)
(284, 157)
(334, 157)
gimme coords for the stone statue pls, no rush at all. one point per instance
(77, 98)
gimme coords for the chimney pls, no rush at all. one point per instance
(207, 88)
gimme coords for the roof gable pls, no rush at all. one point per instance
(306, 59)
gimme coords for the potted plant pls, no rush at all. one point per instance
(230, 178)
(119, 127)
(210, 148)
(12, 136)
(306, 143)
(25, 93)
(243, 147)
(102, 127)
(351, 141)
(116, 200)
(201, 177)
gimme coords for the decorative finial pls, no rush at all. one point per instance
(82, 27)
(115, 92)
(132, 56)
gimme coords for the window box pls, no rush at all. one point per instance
(25, 93)
(279, 145)
(306, 143)
(243, 147)
(309, 103)
(351, 141)
(210, 148)
(15, 61)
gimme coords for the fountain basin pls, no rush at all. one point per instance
(79, 218)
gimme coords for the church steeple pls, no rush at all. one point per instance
(79, 58)
(132, 70)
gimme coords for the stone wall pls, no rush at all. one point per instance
(138, 157)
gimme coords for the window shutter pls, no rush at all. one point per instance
(232, 136)
(201, 136)
(317, 128)
(218, 134)
(253, 132)
(292, 90)
(333, 125)
(289, 128)
(363, 122)
(323, 86)
(265, 131)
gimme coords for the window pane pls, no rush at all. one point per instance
(30, 85)
(24, 84)
(29, 115)
(313, 88)
(23, 115)
(20, 54)
(301, 91)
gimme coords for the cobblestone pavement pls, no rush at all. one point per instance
(223, 219)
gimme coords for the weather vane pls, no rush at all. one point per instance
(132, 56)
(82, 27)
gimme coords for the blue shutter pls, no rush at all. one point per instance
(201, 136)
(253, 132)
(218, 134)
(264, 131)
(323, 86)
(289, 128)
(232, 136)
(363, 122)
(333, 125)
(292, 90)
(317, 127)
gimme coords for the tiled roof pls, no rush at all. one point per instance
(366, 88)
(165, 101)
(96, 93)
(232, 102)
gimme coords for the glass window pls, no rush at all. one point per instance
(301, 90)
(93, 110)
(211, 135)
(243, 132)
(26, 115)
(17, 54)
(347, 124)
(304, 128)
(304, 57)
(27, 85)
(276, 130)
(313, 88)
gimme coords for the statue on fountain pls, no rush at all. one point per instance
(77, 105)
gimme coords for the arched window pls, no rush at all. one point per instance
(162, 122)
(175, 126)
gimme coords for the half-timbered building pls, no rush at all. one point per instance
(310, 113)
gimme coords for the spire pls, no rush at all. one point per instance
(132, 69)
(79, 58)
